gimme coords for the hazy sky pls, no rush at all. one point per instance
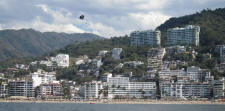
(103, 17)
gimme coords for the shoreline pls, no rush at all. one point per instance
(113, 102)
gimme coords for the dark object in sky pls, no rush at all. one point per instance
(82, 17)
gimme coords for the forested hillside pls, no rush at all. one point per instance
(28, 42)
(212, 23)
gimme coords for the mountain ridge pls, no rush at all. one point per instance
(29, 42)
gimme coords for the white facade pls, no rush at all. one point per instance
(155, 56)
(146, 37)
(219, 89)
(52, 89)
(62, 60)
(3, 89)
(186, 90)
(121, 87)
(184, 36)
(116, 53)
(102, 52)
(42, 77)
(92, 89)
(194, 73)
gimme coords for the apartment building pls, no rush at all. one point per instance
(23, 88)
(195, 73)
(155, 56)
(184, 36)
(186, 90)
(3, 89)
(148, 37)
(42, 77)
(50, 90)
(62, 60)
(219, 88)
(121, 87)
(91, 90)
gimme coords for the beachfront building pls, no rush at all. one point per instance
(21, 88)
(184, 36)
(120, 87)
(219, 88)
(42, 77)
(172, 90)
(116, 53)
(91, 90)
(52, 90)
(186, 90)
(148, 37)
(155, 56)
(3, 89)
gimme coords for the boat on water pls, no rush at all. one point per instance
(92, 103)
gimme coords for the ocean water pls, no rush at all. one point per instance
(106, 107)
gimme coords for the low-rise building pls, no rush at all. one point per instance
(62, 60)
(102, 53)
(52, 90)
(42, 77)
(47, 63)
(116, 53)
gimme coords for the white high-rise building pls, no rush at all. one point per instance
(92, 89)
(146, 37)
(184, 36)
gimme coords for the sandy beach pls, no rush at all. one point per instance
(114, 102)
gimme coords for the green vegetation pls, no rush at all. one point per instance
(28, 42)
(212, 23)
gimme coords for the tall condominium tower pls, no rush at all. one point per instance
(148, 37)
(184, 36)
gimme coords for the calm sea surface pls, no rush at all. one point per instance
(105, 107)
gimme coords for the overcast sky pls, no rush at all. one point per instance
(103, 17)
